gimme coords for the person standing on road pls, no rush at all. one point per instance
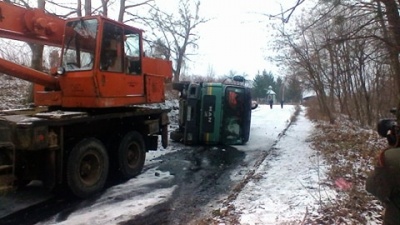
(384, 183)
(270, 96)
(282, 104)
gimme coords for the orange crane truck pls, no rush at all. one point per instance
(92, 117)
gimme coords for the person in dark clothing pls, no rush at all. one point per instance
(281, 104)
(384, 183)
(271, 102)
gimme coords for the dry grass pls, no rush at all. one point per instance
(350, 152)
(313, 111)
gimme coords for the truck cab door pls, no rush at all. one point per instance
(120, 72)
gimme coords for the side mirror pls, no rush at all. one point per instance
(60, 70)
(54, 71)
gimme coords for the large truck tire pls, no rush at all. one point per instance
(87, 168)
(180, 86)
(131, 155)
(176, 136)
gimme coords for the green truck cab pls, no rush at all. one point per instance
(213, 114)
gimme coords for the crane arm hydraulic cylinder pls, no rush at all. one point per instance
(28, 74)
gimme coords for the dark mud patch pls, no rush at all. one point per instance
(202, 175)
(35, 211)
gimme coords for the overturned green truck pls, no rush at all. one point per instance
(213, 114)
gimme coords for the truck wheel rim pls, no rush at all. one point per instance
(89, 169)
(133, 155)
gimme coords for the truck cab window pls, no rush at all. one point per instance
(233, 119)
(111, 58)
(80, 45)
(132, 53)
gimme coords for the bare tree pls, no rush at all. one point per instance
(104, 5)
(391, 13)
(88, 7)
(123, 9)
(338, 48)
(285, 14)
(36, 49)
(176, 34)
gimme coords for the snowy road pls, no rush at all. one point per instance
(287, 184)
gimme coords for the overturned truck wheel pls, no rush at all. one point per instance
(180, 86)
(131, 155)
(87, 168)
(176, 135)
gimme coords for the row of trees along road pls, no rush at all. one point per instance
(169, 35)
(347, 51)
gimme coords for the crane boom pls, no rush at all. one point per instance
(30, 25)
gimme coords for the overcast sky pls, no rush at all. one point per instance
(237, 37)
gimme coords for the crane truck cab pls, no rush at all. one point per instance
(102, 66)
(213, 114)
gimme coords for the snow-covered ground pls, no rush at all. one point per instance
(284, 186)
(287, 183)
